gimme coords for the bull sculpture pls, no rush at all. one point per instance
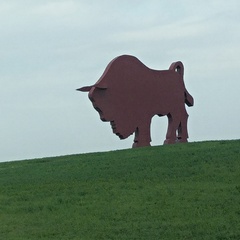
(129, 94)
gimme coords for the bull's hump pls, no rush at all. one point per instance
(129, 60)
(134, 63)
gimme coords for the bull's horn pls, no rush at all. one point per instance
(88, 88)
(84, 89)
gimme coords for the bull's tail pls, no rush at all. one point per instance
(188, 98)
(179, 68)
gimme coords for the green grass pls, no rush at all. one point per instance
(183, 191)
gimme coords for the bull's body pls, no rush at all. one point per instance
(129, 94)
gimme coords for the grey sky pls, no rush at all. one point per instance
(50, 48)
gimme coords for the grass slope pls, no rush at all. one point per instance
(184, 191)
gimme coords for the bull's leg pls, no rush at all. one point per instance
(182, 129)
(142, 135)
(173, 125)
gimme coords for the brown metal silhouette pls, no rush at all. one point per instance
(129, 94)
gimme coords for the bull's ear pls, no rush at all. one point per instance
(84, 89)
(101, 87)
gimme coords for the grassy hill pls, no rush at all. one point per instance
(183, 191)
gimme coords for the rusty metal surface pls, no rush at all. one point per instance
(129, 94)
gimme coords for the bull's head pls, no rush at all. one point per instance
(96, 95)
(109, 108)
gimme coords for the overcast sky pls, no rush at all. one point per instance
(50, 48)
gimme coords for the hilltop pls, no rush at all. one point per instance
(183, 191)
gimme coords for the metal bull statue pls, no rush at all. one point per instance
(129, 94)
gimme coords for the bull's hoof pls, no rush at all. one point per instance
(181, 140)
(178, 140)
(141, 144)
(169, 141)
